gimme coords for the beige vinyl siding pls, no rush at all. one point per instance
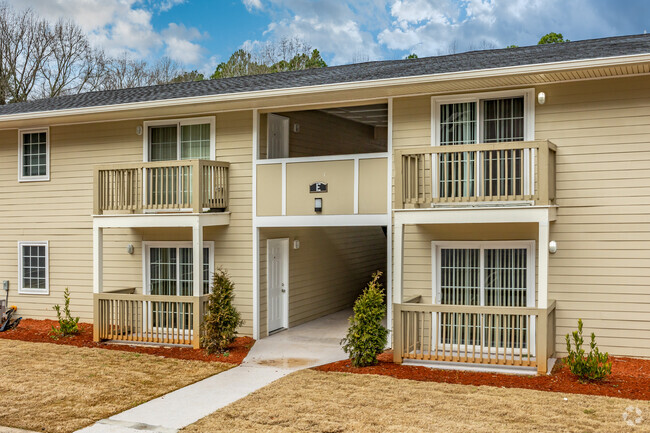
(327, 272)
(322, 134)
(601, 272)
(59, 211)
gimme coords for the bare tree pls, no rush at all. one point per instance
(26, 46)
(68, 67)
(164, 71)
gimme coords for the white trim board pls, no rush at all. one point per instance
(322, 221)
(161, 220)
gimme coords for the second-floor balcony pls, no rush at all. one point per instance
(465, 175)
(165, 186)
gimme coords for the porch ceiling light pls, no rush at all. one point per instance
(552, 247)
(318, 204)
(541, 98)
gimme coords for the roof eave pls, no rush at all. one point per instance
(354, 85)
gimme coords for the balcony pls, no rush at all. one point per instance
(164, 186)
(472, 334)
(465, 175)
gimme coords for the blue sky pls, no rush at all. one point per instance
(201, 33)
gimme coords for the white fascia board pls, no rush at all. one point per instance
(162, 220)
(322, 221)
(418, 79)
(483, 215)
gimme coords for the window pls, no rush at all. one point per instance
(493, 274)
(33, 268)
(33, 154)
(170, 268)
(483, 118)
(182, 139)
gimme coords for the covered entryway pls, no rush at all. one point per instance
(306, 273)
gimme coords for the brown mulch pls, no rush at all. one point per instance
(630, 377)
(40, 331)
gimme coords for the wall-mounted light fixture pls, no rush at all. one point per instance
(541, 98)
(552, 247)
(138, 130)
(318, 204)
(296, 127)
(296, 244)
(129, 248)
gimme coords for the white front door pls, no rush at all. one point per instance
(278, 137)
(277, 256)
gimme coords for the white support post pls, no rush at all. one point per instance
(398, 257)
(542, 279)
(197, 259)
(98, 259)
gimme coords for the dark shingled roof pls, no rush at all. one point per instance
(474, 60)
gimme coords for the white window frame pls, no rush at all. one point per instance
(146, 262)
(26, 290)
(482, 245)
(46, 176)
(529, 111)
(529, 245)
(178, 123)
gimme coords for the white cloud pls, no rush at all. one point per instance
(334, 28)
(124, 25)
(179, 46)
(252, 5)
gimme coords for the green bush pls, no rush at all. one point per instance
(222, 318)
(366, 336)
(68, 325)
(593, 366)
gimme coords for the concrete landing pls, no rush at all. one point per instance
(314, 343)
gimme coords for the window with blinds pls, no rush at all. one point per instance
(172, 142)
(482, 274)
(497, 120)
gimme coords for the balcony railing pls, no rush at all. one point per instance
(163, 185)
(507, 336)
(149, 318)
(465, 174)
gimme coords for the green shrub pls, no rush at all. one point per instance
(222, 318)
(593, 366)
(366, 336)
(68, 325)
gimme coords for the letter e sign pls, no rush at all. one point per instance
(318, 187)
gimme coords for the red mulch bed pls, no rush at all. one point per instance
(40, 331)
(630, 377)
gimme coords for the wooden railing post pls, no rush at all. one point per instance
(397, 333)
(197, 193)
(97, 318)
(97, 191)
(399, 191)
(542, 172)
(197, 318)
(541, 342)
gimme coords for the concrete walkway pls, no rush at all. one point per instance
(314, 343)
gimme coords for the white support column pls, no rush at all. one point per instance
(398, 256)
(98, 259)
(197, 259)
(542, 278)
(256, 283)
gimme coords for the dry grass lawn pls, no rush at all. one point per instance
(57, 388)
(337, 402)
